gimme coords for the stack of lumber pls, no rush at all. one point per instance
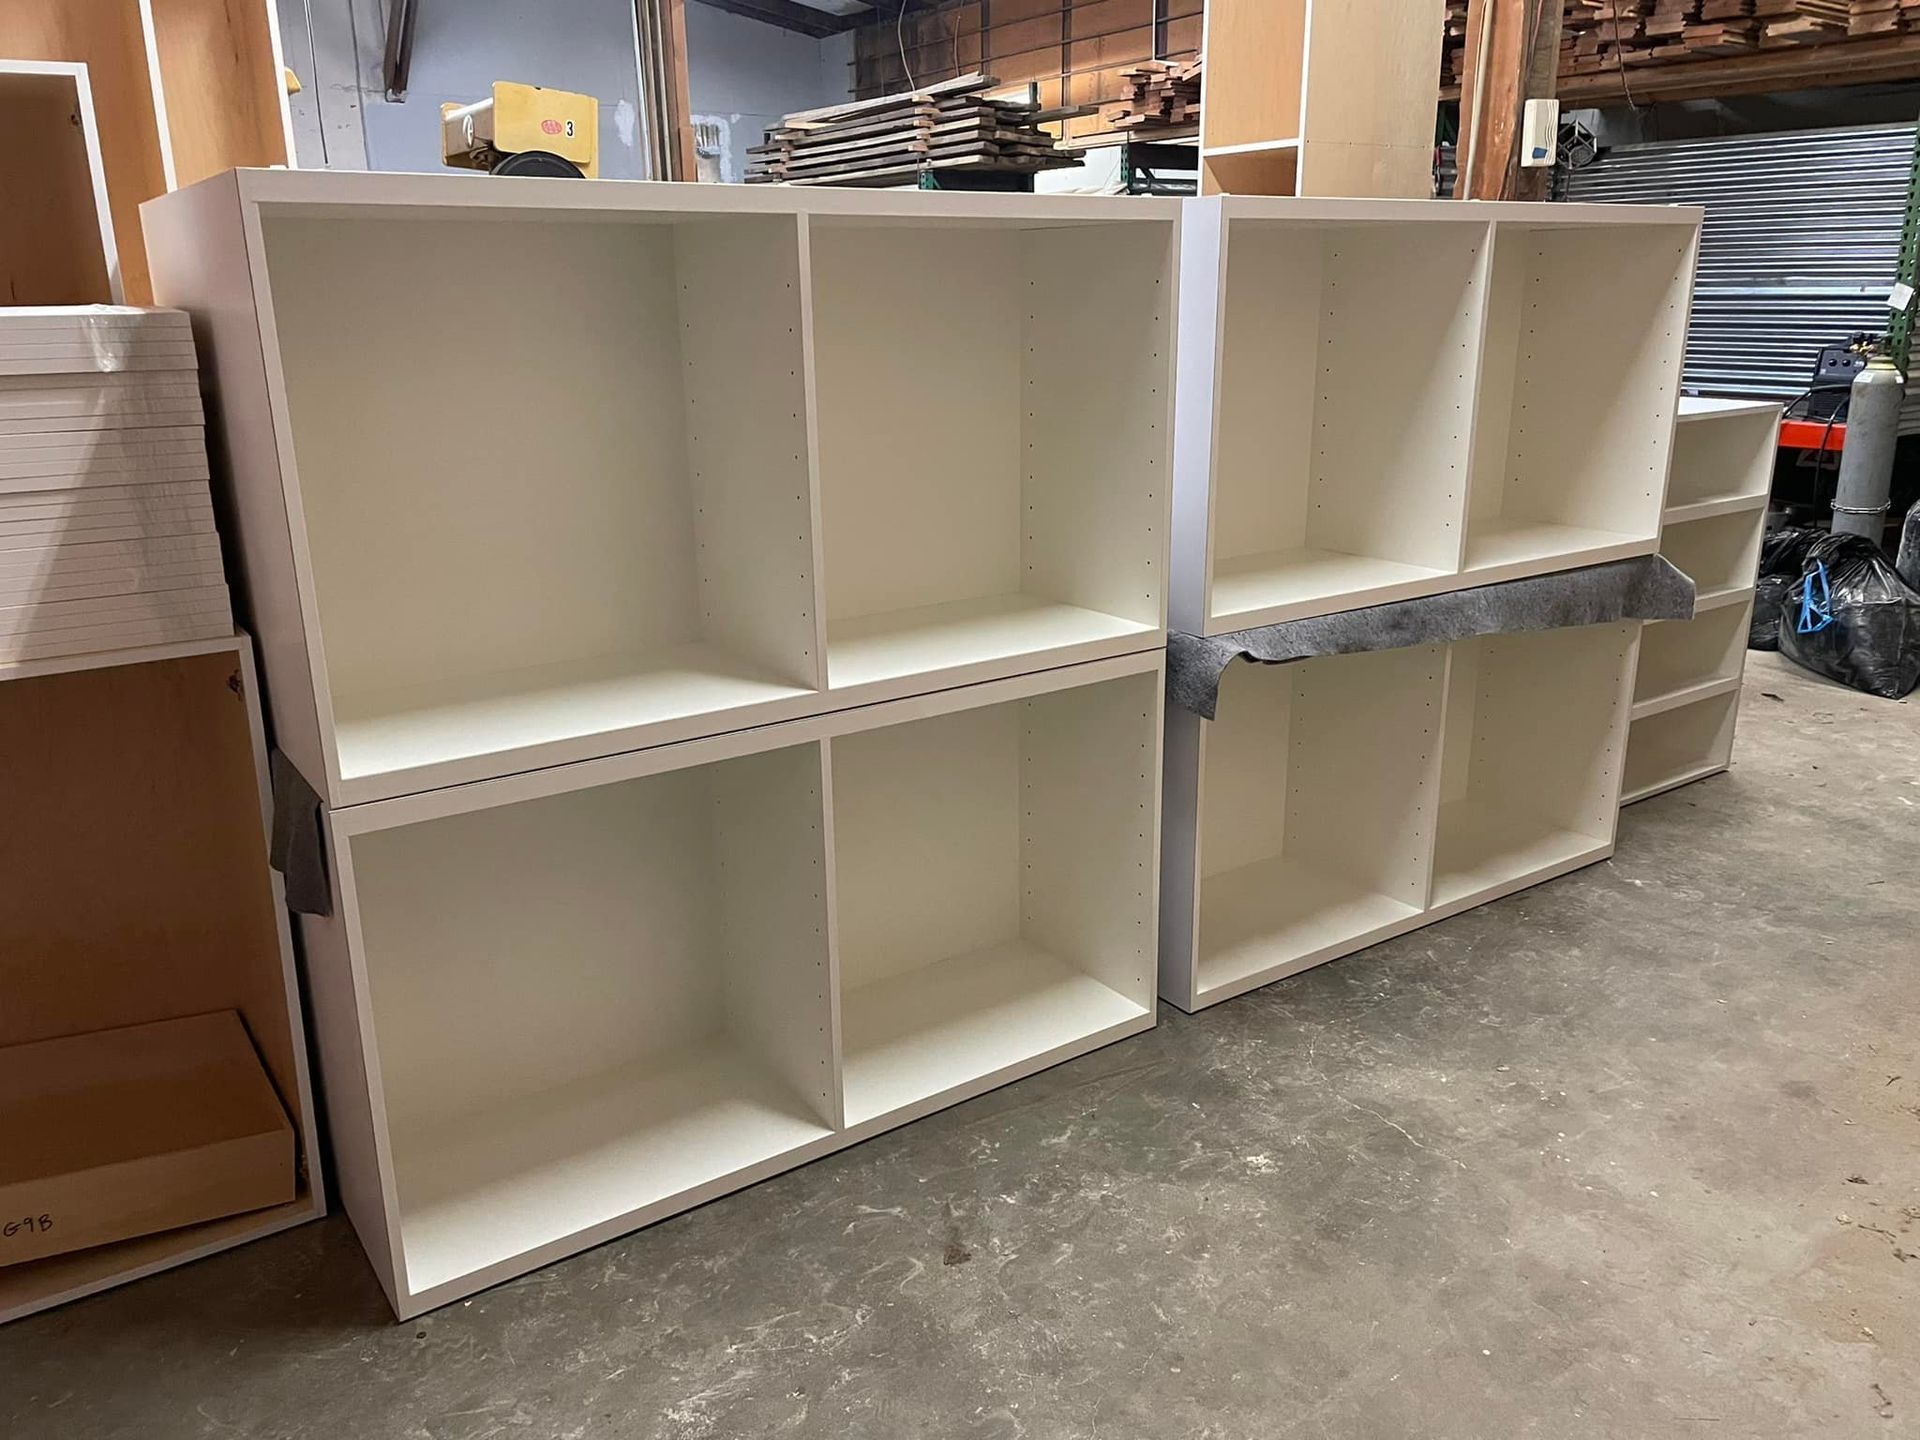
(1161, 94)
(1600, 35)
(106, 524)
(893, 139)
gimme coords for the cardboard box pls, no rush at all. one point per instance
(125, 1132)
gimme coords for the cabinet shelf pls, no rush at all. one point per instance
(962, 637)
(937, 1031)
(589, 1160)
(1675, 747)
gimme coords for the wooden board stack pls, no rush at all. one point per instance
(1162, 94)
(1602, 35)
(106, 524)
(893, 139)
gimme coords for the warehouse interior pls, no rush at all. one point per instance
(1058, 718)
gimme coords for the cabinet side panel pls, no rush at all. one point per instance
(741, 353)
(1369, 77)
(1180, 854)
(1196, 388)
(1089, 833)
(1096, 383)
(1243, 799)
(770, 845)
(201, 262)
(349, 1079)
(1255, 50)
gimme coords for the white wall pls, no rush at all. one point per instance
(743, 75)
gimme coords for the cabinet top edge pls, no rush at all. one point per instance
(273, 188)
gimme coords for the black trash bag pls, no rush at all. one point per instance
(1780, 557)
(1852, 618)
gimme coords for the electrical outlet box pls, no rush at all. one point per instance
(1539, 133)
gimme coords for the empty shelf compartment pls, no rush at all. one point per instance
(1585, 326)
(1318, 788)
(1535, 729)
(994, 875)
(1679, 745)
(544, 513)
(1339, 464)
(1680, 656)
(990, 503)
(1722, 457)
(598, 1006)
(1720, 554)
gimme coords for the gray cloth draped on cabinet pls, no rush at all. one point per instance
(1645, 588)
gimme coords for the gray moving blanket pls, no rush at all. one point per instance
(1646, 588)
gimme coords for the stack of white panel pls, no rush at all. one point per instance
(106, 524)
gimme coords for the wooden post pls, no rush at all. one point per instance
(673, 22)
(1513, 54)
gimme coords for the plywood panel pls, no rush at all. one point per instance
(220, 73)
(105, 36)
(1370, 67)
(55, 241)
(1255, 70)
(131, 838)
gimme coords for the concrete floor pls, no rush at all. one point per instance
(1636, 1154)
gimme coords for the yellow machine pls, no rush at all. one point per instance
(524, 130)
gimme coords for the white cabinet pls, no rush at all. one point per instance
(557, 1006)
(1339, 801)
(529, 475)
(1686, 698)
(1383, 400)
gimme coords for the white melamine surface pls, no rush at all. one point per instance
(1678, 654)
(554, 1165)
(1282, 913)
(962, 635)
(1536, 728)
(989, 497)
(1674, 747)
(941, 1028)
(1585, 327)
(1719, 554)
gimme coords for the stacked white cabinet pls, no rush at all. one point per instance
(1686, 697)
(1339, 801)
(725, 628)
(1381, 400)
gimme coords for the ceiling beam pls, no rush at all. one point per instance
(789, 15)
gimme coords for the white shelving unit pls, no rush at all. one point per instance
(556, 1006)
(702, 475)
(989, 488)
(148, 766)
(1378, 400)
(1339, 801)
(1687, 694)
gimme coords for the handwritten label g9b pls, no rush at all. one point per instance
(26, 1225)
